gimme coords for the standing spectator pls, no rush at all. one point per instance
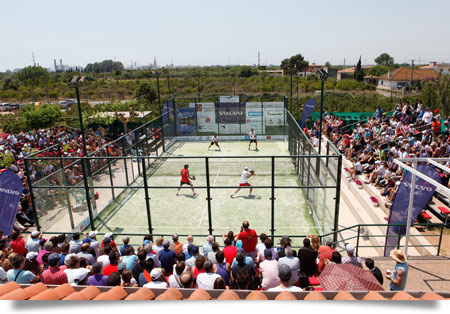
(292, 262)
(75, 243)
(206, 280)
(400, 274)
(17, 243)
(54, 275)
(174, 279)
(212, 255)
(104, 259)
(84, 254)
(268, 270)
(176, 245)
(307, 257)
(284, 272)
(370, 264)
(167, 258)
(158, 279)
(126, 241)
(350, 258)
(208, 246)
(325, 252)
(129, 259)
(249, 239)
(222, 268)
(18, 274)
(194, 255)
(98, 279)
(229, 251)
(32, 244)
(113, 264)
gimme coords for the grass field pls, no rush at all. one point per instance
(186, 214)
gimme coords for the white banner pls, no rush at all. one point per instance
(206, 117)
(253, 118)
(229, 99)
(274, 113)
(229, 128)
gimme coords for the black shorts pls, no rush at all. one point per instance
(187, 183)
(253, 141)
(358, 172)
(215, 143)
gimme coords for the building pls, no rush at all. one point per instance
(402, 77)
(64, 67)
(443, 68)
(349, 73)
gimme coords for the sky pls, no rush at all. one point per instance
(201, 32)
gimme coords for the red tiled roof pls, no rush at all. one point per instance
(13, 291)
(404, 74)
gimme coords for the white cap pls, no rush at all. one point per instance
(93, 234)
(245, 168)
(378, 162)
(350, 248)
(108, 235)
(67, 258)
(35, 233)
(31, 255)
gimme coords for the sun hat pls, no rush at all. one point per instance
(398, 255)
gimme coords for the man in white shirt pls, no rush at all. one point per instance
(284, 273)
(427, 116)
(245, 175)
(206, 280)
(174, 279)
(269, 271)
(158, 279)
(214, 141)
(252, 137)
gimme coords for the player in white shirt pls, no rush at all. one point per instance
(252, 136)
(244, 181)
(214, 141)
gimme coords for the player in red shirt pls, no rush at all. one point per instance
(249, 239)
(186, 179)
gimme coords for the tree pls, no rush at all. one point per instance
(378, 70)
(327, 65)
(359, 73)
(385, 59)
(247, 71)
(294, 64)
(104, 66)
(146, 92)
(42, 117)
(32, 75)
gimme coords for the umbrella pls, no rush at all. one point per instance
(348, 277)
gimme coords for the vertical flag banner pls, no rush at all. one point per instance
(423, 192)
(307, 111)
(186, 120)
(10, 190)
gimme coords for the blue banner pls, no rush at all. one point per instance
(186, 120)
(168, 106)
(307, 111)
(399, 212)
(10, 190)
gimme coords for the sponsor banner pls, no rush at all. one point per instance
(253, 117)
(206, 117)
(10, 190)
(274, 113)
(307, 111)
(229, 99)
(423, 191)
(228, 128)
(230, 113)
(186, 120)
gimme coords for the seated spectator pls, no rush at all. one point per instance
(74, 272)
(268, 244)
(54, 275)
(104, 258)
(221, 268)
(229, 251)
(158, 279)
(17, 243)
(370, 264)
(159, 246)
(243, 280)
(75, 243)
(206, 279)
(260, 247)
(350, 258)
(48, 248)
(194, 252)
(144, 277)
(127, 279)
(32, 244)
(268, 270)
(64, 251)
(190, 241)
(176, 245)
(94, 243)
(241, 265)
(167, 258)
(219, 283)
(114, 279)
(32, 264)
(126, 241)
(292, 262)
(98, 279)
(284, 243)
(129, 259)
(208, 246)
(18, 274)
(307, 257)
(84, 254)
(113, 264)
(199, 266)
(212, 255)
(325, 252)
(284, 273)
(139, 267)
(174, 279)
(187, 280)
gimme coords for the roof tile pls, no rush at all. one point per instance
(8, 287)
(228, 295)
(199, 294)
(104, 296)
(170, 294)
(90, 292)
(344, 295)
(118, 293)
(373, 296)
(141, 294)
(402, 295)
(430, 295)
(46, 295)
(286, 296)
(256, 295)
(64, 290)
(35, 289)
(17, 294)
(314, 295)
(76, 296)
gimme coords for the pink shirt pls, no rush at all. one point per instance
(54, 276)
(269, 271)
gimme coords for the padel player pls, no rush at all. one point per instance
(244, 181)
(252, 137)
(214, 141)
(186, 179)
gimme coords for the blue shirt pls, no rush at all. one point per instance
(404, 267)
(207, 248)
(97, 280)
(123, 247)
(167, 259)
(25, 276)
(129, 261)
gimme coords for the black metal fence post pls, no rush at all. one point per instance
(175, 116)
(88, 194)
(440, 238)
(147, 197)
(111, 181)
(65, 191)
(208, 196)
(338, 196)
(272, 199)
(357, 239)
(125, 160)
(33, 203)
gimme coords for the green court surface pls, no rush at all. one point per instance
(186, 214)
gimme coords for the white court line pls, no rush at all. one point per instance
(206, 206)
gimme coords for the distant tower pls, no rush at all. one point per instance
(259, 58)
(56, 67)
(34, 59)
(155, 65)
(60, 62)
